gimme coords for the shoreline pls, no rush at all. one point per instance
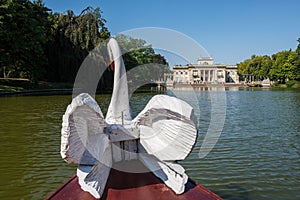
(63, 91)
(69, 91)
(38, 92)
(205, 85)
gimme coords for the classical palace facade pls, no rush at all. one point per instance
(205, 71)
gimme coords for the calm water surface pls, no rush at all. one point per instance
(256, 157)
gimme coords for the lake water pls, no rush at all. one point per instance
(256, 156)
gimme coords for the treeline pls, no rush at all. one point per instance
(41, 45)
(138, 53)
(279, 67)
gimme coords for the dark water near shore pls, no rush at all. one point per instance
(256, 157)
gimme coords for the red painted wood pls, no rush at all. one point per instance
(133, 186)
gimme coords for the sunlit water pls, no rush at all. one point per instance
(256, 156)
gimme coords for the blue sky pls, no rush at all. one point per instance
(230, 30)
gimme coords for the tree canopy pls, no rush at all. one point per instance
(281, 66)
(71, 40)
(24, 29)
(41, 45)
(137, 54)
(38, 44)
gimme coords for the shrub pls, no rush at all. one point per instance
(292, 83)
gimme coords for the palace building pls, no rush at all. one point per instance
(205, 71)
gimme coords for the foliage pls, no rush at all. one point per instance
(135, 51)
(4, 88)
(284, 67)
(72, 38)
(257, 65)
(297, 62)
(292, 84)
(41, 45)
(23, 36)
(147, 65)
(281, 66)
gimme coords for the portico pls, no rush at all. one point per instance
(205, 71)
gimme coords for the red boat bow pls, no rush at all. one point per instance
(133, 186)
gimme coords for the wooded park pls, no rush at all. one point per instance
(40, 45)
(281, 67)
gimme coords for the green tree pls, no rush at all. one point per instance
(24, 27)
(135, 51)
(147, 66)
(265, 66)
(284, 67)
(243, 67)
(258, 66)
(297, 62)
(72, 38)
(290, 67)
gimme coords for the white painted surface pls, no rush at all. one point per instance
(164, 132)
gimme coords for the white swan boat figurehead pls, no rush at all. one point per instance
(163, 133)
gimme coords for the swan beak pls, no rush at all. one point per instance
(112, 65)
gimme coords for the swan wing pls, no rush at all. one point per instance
(93, 178)
(167, 128)
(82, 136)
(172, 174)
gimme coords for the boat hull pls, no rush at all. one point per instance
(134, 186)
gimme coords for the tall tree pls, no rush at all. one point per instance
(135, 51)
(284, 67)
(23, 36)
(297, 62)
(145, 64)
(258, 66)
(73, 37)
(265, 66)
(243, 67)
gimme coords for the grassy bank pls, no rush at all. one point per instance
(289, 84)
(5, 88)
(17, 84)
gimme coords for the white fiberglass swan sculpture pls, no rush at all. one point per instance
(163, 133)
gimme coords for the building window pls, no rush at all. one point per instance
(195, 72)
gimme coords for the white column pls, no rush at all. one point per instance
(207, 72)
